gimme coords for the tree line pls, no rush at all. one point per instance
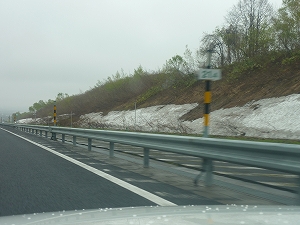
(253, 28)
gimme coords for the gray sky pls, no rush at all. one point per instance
(52, 46)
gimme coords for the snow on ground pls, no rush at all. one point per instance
(26, 121)
(161, 118)
(46, 120)
(267, 118)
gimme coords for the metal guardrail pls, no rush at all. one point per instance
(273, 156)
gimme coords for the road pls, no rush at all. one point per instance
(40, 175)
(274, 179)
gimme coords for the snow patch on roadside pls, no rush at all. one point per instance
(161, 118)
(26, 121)
(266, 118)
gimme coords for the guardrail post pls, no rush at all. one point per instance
(53, 137)
(146, 157)
(32, 131)
(41, 133)
(208, 168)
(46, 134)
(63, 138)
(111, 149)
(89, 144)
(74, 140)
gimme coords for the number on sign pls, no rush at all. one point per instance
(209, 74)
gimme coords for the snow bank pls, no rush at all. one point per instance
(267, 118)
(161, 118)
(26, 121)
(42, 121)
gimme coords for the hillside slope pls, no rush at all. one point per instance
(273, 75)
(270, 78)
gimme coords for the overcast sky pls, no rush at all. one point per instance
(52, 46)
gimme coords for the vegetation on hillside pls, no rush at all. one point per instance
(258, 49)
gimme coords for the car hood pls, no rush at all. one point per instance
(228, 214)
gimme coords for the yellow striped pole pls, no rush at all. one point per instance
(207, 75)
(53, 137)
(54, 113)
(207, 97)
(207, 100)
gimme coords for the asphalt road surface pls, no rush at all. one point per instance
(47, 177)
(274, 179)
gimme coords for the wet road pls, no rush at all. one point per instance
(47, 176)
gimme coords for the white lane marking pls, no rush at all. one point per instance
(190, 165)
(142, 181)
(280, 184)
(145, 194)
(260, 174)
(240, 167)
(92, 163)
(167, 160)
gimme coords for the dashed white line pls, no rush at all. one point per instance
(240, 167)
(280, 184)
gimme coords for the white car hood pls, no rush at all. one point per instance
(228, 214)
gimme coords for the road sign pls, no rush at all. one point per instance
(209, 74)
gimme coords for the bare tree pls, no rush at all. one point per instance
(287, 25)
(247, 33)
(216, 41)
(249, 23)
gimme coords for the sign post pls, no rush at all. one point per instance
(54, 121)
(208, 75)
(54, 113)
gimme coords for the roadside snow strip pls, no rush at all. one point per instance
(266, 118)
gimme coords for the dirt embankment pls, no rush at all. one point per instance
(273, 79)
(270, 76)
